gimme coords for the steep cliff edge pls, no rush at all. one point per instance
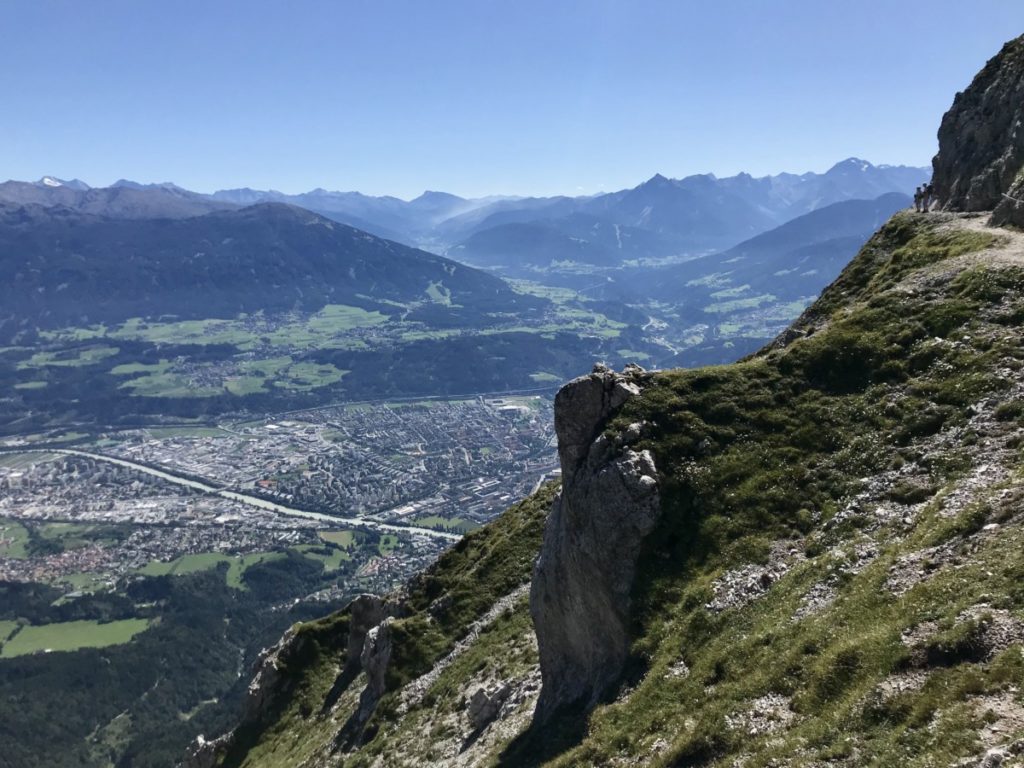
(580, 597)
(813, 557)
(981, 142)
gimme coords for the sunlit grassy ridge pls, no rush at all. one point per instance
(841, 531)
(772, 449)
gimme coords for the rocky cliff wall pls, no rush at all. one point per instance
(981, 141)
(609, 502)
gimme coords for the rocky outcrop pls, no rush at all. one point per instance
(485, 703)
(202, 753)
(267, 688)
(368, 650)
(367, 611)
(981, 142)
(608, 504)
(373, 659)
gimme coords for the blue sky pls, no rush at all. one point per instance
(478, 96)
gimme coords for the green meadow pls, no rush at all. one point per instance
(70, 636)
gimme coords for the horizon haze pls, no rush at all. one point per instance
(396, 98)
(56, 180)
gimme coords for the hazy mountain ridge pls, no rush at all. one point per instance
(795, 259)
(696, 212)
(578, 237)
(71, 268)
(715, 307)
(121, 200)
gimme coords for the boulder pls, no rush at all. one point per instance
(485, 703)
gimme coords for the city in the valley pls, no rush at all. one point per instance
(381, 488)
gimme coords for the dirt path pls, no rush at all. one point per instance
(1009, 251)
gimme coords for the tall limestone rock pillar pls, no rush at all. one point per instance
(609, 502)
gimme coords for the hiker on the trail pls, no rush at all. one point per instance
(918, 198)
(929, 195)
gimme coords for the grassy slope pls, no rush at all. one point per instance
(762, 463)
(466, 581)
(774, 448)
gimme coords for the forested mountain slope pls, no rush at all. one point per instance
(67, 267)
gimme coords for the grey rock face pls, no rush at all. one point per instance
(583, 406)
(579, 598)
(981, 141)
(486, 703)
(367, 611)
(374, 659)
(267, 682)
(205, 754)
(376, 656)
(368, 650)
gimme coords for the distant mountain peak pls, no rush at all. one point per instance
(53, 182)
(129, 184)
(657, 181)
(849, 164)
(433, 196)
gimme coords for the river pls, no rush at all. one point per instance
(244, 498)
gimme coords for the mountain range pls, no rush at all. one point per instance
(101, 280)
(693, 214)
(121, 200)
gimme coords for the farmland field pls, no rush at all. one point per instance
(72, 635)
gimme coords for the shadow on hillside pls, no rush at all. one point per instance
(541, 743)
(341, 684)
